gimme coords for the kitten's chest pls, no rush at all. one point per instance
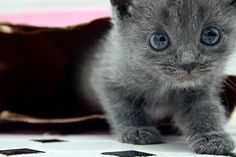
(161, 107)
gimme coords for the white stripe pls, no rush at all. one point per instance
(24, 6)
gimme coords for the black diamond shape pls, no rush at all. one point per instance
(49, 141)
(128, 154)
(19, 151)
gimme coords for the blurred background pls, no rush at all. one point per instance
(52, 12)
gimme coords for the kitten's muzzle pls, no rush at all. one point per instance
(189, 67)
(188, 60)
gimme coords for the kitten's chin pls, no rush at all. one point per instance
(187, 80)
(186, 77)
(190, 83)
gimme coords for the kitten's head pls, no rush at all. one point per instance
(185, 41)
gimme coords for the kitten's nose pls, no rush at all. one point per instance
(189, 66)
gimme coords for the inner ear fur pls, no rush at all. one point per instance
(122, 7)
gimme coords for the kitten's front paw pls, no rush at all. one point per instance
(216, 143)
(140, 135)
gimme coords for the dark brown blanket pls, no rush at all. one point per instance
(37, 73)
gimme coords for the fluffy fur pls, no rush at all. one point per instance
(137, 85)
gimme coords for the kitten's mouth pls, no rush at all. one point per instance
(188, 76)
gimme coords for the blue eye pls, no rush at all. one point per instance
(159, 42)
(210, 36)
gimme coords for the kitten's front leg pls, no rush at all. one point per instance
(127, 118)
(202, 118)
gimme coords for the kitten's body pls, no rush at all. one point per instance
(137, 86)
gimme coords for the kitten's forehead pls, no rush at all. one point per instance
(190, 10)
(180, 5)
(181, 12)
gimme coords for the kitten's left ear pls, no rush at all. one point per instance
(122, 7)
(233, 2)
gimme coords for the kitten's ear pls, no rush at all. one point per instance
(233, 2)
(122, 7)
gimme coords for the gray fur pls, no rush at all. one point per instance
(137, 85)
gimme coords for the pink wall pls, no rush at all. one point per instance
(54, 18)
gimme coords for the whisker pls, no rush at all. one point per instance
(232, 82)
(233, 72)
(230, 86)
(227, 103)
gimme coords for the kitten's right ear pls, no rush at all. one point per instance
(122, 7)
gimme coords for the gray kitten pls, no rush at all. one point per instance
(166, 58)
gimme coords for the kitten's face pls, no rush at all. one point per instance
(182, 40)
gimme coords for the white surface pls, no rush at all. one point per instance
(231, 66)
(24, 6)
(92, 146)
